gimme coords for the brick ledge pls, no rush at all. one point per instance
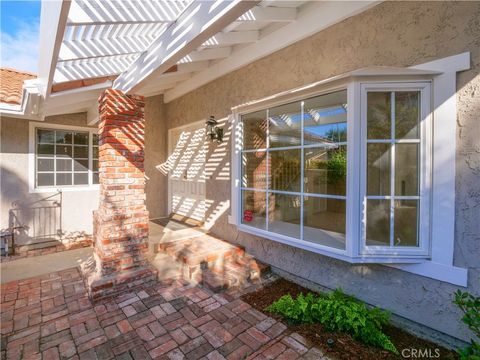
(100, 287)
(22, 254)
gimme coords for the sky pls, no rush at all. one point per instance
(20, 23)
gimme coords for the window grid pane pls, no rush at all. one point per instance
(393, 174)
(63, 137)
(285, 125)
(278, 171)
(254, 209)
(405, 215)
(45, 136)
(80, 138)
(286, 173)
(254, 170)
(284, 214)
(255, 127)
(325, 170)
(325, 119)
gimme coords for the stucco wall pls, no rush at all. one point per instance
(390, 34)
(76, 206)
(155, 154)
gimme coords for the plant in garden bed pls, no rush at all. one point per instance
(337, 311)
(470, 306)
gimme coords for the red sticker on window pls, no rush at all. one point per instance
(247, 215)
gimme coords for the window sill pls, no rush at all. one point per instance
(65, 189)
(419, 266)
(446, 273)
(328, 251)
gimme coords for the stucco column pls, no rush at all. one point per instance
(121, 221)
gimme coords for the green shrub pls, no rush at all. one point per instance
(470, 306)
(337, 312)
(337, 166)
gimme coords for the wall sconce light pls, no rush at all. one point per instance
(213, 131)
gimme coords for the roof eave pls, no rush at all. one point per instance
(29, 108)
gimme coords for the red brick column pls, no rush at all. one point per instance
(121, 221)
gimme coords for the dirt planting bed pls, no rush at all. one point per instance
(344, 347)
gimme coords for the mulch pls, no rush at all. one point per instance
(345, 347)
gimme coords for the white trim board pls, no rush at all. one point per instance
(440, 266)
(53, 21)
(444, 130)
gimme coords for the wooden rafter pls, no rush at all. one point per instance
(195, 25)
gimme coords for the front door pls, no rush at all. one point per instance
(187, 149)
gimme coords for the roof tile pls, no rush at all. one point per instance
(11, 85)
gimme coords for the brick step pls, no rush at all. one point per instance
(230, 277)
(247, 267)
(201, 250)
(218, 282)
(256, 268)
(214, 263)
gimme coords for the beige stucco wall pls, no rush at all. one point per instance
(390, 34)
(155, 154)
(76, 206)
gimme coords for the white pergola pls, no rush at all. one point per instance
(168, 47)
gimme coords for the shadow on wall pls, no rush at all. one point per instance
(30, 222)
(195, 159)
(185, 168)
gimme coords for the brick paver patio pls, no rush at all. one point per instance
(51, 317)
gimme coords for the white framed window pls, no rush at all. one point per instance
(400, 169)
(295, 173)
(63, 157)
(395, 178)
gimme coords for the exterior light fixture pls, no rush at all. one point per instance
(214, 132)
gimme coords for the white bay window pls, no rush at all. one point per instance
(359, 167)
(341, 169)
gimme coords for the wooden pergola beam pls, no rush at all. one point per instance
(195, 25)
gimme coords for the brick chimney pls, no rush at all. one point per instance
(121, 221)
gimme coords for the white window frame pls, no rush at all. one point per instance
(33, 126)
(236, 173)
(424, 180)
(297, 241)
(437, 262)
(356, 165)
